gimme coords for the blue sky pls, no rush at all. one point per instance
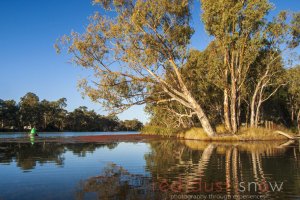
(29, 63)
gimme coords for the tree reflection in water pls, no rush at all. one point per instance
(202, 167)
(175, 167)
(117, 183)
(191, 167)
(27, 156)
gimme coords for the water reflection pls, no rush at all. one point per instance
(237, 169)
(115, 182)
(268, 170)
(27, 156)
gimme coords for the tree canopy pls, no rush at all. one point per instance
(52, 116)
(139, 52)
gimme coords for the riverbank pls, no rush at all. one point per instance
(244, 134)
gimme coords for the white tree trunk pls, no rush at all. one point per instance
(226, 111)
(233, 108)
(298, 122)
(203, 120)
(253, 103)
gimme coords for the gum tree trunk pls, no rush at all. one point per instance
(206, 125)
(233, 108)
(226, 111)
(298, 122)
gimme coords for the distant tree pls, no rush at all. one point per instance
(132, 125)
(8, 114)
(110, 123)
(2, 113)
(29, 110)
(53, 114)
(81, 119)
(77, 119)
(60, 113)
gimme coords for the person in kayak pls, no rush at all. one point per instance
(33, 132)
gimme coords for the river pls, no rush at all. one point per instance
(156, 169)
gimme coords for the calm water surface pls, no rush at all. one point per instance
(62, 134)
(161, 169)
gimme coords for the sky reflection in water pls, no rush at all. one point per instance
(152, 170)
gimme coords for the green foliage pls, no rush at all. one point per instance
(293, 75)
(199, 77)
(29, 110)
(294, 82)
(138, 37)
(139, 53)
(51, 116)
(8, 114)
(295, 30)
(131, 125)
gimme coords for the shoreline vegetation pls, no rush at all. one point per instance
(140, 54)
(52, 116)
(195, 137)
(244, 134)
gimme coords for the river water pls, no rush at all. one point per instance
(62, 134)
(157, 169)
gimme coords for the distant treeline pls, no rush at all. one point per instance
(52, 116)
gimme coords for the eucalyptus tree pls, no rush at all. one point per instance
(53, 113)
(282, 37)
(236, 26)
(241, 32)
(264, 81)
(131, 125)
(294, 95)
(60, 113)
(8, 114)
(29, 110)
(131, 49)
(199, 76)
